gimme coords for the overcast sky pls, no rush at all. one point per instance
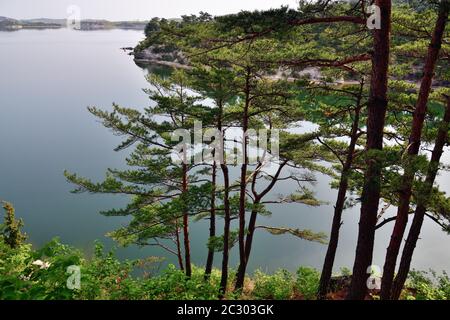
(130, 9)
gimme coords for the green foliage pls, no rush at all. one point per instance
(307, 282)
(27, 274)
(42, 275)
(36, 275)
(282, 285)
(152, 27)
(279, 286)
(216, 243)
(106, 278)
(10, 229)
(173, 285)
(161, 191)
(345, 272)
(427, 286)
(301, 234)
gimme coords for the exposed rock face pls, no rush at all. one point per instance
(161, 54)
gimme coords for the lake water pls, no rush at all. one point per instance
(48, 78)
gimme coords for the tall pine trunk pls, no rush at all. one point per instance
(212, 221)
(422, 204)
(254, 216)
(227, 209)
(412, 152)
(330, 256)
(226, 231)
(178, 242)
(248, 244)
(240, 276)
(377, 107)
(250, 234)
(187, 248)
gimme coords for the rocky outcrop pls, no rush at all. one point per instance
(161, 55)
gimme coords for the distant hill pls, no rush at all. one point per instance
(9, 24)
(2, 19)
(46, 21)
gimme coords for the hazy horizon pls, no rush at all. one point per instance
(116, 10)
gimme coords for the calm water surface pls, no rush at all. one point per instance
(48, 78)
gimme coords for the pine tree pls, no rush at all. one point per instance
(413, 150)
(338, 119)
(217, 83)
(377, 107)
(165, 193)
(424, 195)
(10, 230)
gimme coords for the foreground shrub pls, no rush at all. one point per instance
(279, 286)
(36, 275)
(423, 285)
(173, 284)
(307, 282)
(27, 274)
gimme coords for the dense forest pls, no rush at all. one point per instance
(371, 80)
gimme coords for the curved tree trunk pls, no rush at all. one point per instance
(251, 233)
(254, 215)
(413, 150)
(419, 215)
(377, 107)
(249, 239)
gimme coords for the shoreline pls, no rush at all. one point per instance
(174, 65)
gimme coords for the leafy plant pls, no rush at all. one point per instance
(307, 282)
(427, 286)
(279, 286)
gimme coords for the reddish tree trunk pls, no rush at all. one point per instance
(212, 222)
(248, 241)
(413, 150)
(226, 232)
(254, 215)
(419, 215)
(377, 107)
(187, 248)
(241, 236)
(330, 256)
(180, 257)
(250, 234)
(227, 211)
(240, 276)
